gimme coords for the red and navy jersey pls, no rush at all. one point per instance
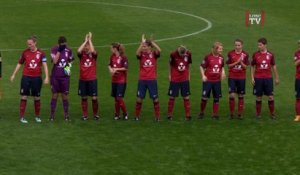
(119, 62)
(32, 62)
(88, 66)
(148, 65)
(213, 66)
(263, 63)
(180, 66)
(237, 71)
(296, 58)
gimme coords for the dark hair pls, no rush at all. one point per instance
(148, 42)
(263, 41)
(120, 48)
(181, 49)
(61, 40)
(239, 40)
(33, 38)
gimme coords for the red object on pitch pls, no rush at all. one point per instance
(247, 18)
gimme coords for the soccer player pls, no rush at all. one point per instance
(179, 77)
(33, 59)
(212, 72)
(62, 57)
(237, 62)
(297, 83)
(88, 79)
(147, 53)
(262, 65)
(118, 66)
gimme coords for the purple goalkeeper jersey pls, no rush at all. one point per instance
(65, 57)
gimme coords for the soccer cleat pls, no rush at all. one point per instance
(170, 118)
(201, 116)
(215, 117)
(157, 119)
(273, 117)
(96, 117)
(38, 119)
(258, 117)
(231, 117)
(125, 116)
(51, 119)
(67, 119)
(136, 118)
(117, 117)
(240, 117)
(188, 118)
(23, 120)
(297, 118)
(84, 118)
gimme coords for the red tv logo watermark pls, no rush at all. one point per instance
(255, 18)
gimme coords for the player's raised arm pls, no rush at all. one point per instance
(92, 48)
(81, 47)
(155, 46)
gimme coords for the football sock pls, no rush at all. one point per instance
(171, 106)
(95, 107)
(297, 106)
(203, 105)
(53, 106)
(22, 107)
(138, 107)
(216, 107)
(84, 106)
(117, 107)
(231, 105)
(122, 105)
(37, 107)
(187, 107)
(271, 106)
(258, 107)
(66, 107)
(156, 109)
(240, 105)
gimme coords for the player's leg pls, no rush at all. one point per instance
(173, 93)
(232, 94)
(241, 89)
(64, 89)
(141, 92)
(93, 92)
(82, 91)
(153, 91)
(24, 92)
(217, 94)
(269, 92)
(258, 92)
(117, 106)
(120, 95)
(297, 102)
(36, 93)
(54, 90)
(206, 89)
(185, 93)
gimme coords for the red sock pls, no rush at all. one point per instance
(95, 107)
(138, 107)
(122, 105)
(37, 107)
(271, 106)
(187, 107)
(297, 106)
(258, 108)
(231, 105)
(240, 105)
(84, 106)
(203, 105)
(216, 107)
(22, 107)
(156, 109)
(171, 106)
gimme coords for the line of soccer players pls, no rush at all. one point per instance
(212, 72)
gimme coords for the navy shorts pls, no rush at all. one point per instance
(87, 88)
(184, 88)
(263, 86)
(151, 85)
(118, 89)
(60, 85)
(31, 86)
(214, 87)
(237, 86)
(297, 88)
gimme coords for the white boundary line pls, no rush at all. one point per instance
(209, 24)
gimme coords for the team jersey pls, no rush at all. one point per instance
(237, 71)
(119, 62)
(213, 66)
(88, 66)
(148, 65)
(296, 58)
(32, 62)
(263, 63)
(180, 66)
(65, 57)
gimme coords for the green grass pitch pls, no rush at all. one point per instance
(145, 147)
